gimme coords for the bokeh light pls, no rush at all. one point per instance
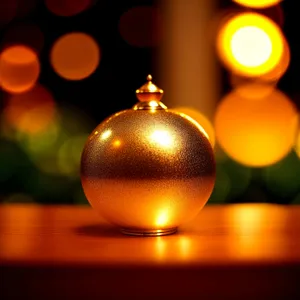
(26, 34)
(257, 3)
(140, 27)
(250, 44)
(283, 178)
(199, 118)
(30, 112)
(67, 8)
(19, 69)
(281, 67)
(271, 78)
(8, 10)
(57, 151)
(75, 56)
(256, 133)
(256, 87)
(255, 90)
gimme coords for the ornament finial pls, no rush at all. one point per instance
(149, 91)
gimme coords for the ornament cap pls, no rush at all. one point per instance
(149, 96)
(149, 91)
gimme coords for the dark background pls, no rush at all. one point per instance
(123, 67)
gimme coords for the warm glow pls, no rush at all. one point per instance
(250, 44)
(117, 143)
(66, 8)
(105, 134)
(262, 85)
(162, 137)
(276, 73)
(139, 26)
(31, 112)
(153, 105)
(244, 48)
(19, 69)
(256, 133)
(201, 120)
(257, 3)
(75, 56)
(162, 218)
(255, 91)
(250, 225)
(268, 80)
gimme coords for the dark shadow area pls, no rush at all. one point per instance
(99, 230)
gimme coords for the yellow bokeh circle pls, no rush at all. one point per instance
(250, 44)
(257, 3)
(256, 133)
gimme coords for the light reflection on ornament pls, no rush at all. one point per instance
(162, 218)
(105, 135)
(117, 143)
(162, 137)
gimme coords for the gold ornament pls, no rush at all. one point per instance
(148, 170)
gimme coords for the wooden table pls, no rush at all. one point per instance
(245, 251)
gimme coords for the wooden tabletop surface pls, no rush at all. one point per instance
(241, 244)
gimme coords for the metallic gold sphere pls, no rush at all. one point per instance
(148, 170)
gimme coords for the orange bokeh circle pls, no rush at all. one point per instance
(256, 133)
(75, 56)
(19, 69)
